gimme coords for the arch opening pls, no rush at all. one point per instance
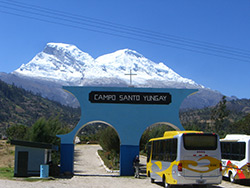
(98, 143)
(100, 124)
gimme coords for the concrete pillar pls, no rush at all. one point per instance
(67, 159)
(127, 155)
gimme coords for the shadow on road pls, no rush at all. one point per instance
(188, 186)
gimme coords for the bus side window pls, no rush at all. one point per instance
(149, 146)
(233, 150)
(161, 150)
(225, 150)
(168, 147)
(164, 146)
(154, 150)
(171, 150)
(174, 150)
(242, 151)
(165, 150)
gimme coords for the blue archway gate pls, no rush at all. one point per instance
(129, 110)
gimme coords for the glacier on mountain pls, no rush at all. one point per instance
(68, 65)
(65, 65)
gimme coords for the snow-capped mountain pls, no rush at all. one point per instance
(67, 64)
(57, 62)
(64, 64)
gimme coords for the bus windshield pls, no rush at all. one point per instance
(200, 141)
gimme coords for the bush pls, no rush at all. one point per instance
(110, 143)
(109, 140)
(16, 132)
(41, 131)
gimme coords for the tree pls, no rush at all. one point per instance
(16, 132)
(153, 132)
(110, 143)
(241, 126)
(109, 140)
(39, 131)
(218, 116)
(46, 130)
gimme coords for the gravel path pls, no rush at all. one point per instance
(87, 161)
(89, 173)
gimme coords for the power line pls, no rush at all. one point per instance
(50, 11)
(109, 28)
(119, 26)
(102, 22)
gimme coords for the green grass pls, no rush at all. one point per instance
(34, 179)
(6, 173)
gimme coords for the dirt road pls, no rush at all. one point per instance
(89, 173)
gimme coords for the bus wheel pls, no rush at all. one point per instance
(231, 177)
(165, 184)
(152, 180)
(148, 174)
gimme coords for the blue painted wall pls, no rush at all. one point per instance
(127, 156)
(129, 120)
(67, 158)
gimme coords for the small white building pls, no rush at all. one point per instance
(29, 156)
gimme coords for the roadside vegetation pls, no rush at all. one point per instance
(6, 160)
(7, 153)
(6, 172)
(43, 130)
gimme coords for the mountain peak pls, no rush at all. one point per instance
(58, 61)
(59, 45)
(52, 48)
(61, 49)
(129, 52)
(68, 64)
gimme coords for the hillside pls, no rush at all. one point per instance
(201, 118)
(18, 106)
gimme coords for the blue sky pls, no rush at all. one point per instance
(206, 41)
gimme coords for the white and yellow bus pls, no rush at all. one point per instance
(185, 157)
(235, 157)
